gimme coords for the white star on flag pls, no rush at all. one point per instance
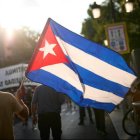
(48, 48)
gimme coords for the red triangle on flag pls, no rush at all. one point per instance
(48, 51)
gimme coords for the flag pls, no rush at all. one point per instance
(89, 73)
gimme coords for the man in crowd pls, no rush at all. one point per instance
(46, 102)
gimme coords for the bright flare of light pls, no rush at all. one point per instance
(34, 13)
(106, 42)
(96, 12)
(15, 13)
(129, 7)
(9, 34)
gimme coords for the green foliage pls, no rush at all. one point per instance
(19, 49)
(94, 29)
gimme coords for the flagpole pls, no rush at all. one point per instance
(21, 90)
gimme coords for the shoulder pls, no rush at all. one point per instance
(6, 94)
(9, 99)
(44, 88)
(39, 87)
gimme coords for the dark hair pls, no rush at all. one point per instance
(135, 85)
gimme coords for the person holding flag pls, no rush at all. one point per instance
(10, 105)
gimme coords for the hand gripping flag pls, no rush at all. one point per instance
(90, 74)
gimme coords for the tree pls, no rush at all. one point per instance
(21, 47)
(94, 29)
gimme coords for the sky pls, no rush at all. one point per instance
(34, 13)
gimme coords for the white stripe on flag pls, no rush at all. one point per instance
(96, 65)
(65, 73)
(101, 96)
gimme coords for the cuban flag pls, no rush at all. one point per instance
(89, 73)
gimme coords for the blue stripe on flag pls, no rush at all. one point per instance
(96, 81)
(63, 86)
(99, 82)
(89, 47)
(55, 82)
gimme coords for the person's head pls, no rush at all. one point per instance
(138, 87)
(135, 85)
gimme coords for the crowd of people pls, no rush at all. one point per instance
(43, 104)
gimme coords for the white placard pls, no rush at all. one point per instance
(11, 76)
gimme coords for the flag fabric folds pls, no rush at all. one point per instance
(89, 73)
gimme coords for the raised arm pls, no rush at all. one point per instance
(24, 113)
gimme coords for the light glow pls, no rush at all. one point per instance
(9, 34)
(34, 13)
(96, 12)
(129, 7)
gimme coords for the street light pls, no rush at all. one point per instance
(129, 6)
(96, 10)
(115, 32)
